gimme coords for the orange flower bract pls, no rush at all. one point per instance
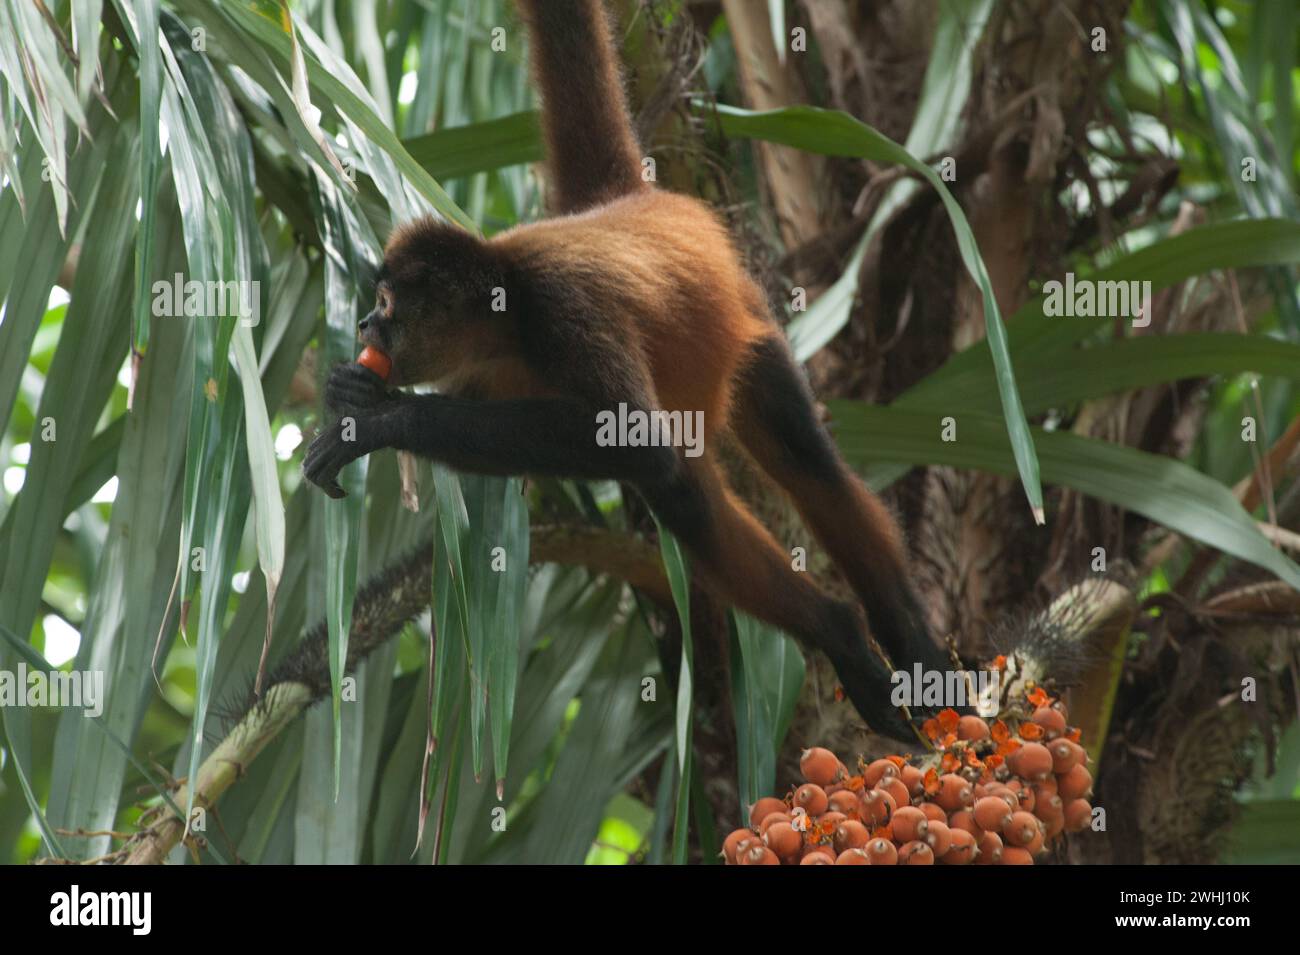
(931, 780)
(948, 719)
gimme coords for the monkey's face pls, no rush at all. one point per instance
(381, 329)
(415, 333)
(432, 314)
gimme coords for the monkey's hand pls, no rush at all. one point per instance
(353, 388)
(352, 436)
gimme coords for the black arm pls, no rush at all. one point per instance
(543, 436)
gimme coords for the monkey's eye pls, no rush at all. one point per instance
(384, 301)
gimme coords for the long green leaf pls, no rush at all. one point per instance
(478, 147)
(349, 258)
(1037, 341)
(132, 581)
(567, 813)
(1127, 363)
(1161, 489)
(679, 580)
(18, 747)
(837, 134)
(504, 642)
(151, 76)
(347, 94)
(765, 689)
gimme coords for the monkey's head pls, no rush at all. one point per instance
(433, 301)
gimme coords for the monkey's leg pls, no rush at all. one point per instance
(740, 560)
(545, 436)
(775, 418)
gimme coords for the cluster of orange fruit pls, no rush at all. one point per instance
(993, 797)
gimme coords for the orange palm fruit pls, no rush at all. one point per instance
(913, 779)
(764, 808)
(825, 852)
(850, 834)
(961, 849)
(992, 813)
(817, 858)
(876, 807)
(1049, 807)
(1066, 754)
(1033, 761)
(909, 823)
(878, 770)
(990, 849)
(376, 361)
(1014, 855)
(964, 819)
(833, 816)
(852, 857)
(732, 843)
(771, 819)
(882, 852)
(933, 811)
(1007, 795)
(894, 786)
(1026, 798)
(972, 728)
(1055, 826)
(938, 837)
(1051, 720)
(1074, 784)
(845, 801)
(1078, 815)
(811, 798)
(1035, 845)
(783, 840)
(954, 792)
(819, 766)
(1020, 829)
(915, 853)
(758, 855)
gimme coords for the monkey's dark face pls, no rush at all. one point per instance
(397, 329)
(422, 329)
(431, 315)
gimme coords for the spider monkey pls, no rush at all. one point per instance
(627, 294)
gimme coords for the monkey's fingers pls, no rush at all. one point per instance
(325, 457)
(353, 387)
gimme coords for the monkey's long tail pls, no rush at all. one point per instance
(385, 604)
(591, 152)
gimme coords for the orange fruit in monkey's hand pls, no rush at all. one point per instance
(376, 361)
